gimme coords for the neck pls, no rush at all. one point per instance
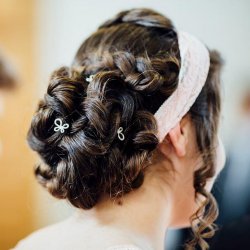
(143, 214)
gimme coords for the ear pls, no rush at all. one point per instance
(178, 140)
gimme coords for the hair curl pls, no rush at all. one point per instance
(136, 60)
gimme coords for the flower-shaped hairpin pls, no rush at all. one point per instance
(60, 126)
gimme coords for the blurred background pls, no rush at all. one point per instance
(37, 36)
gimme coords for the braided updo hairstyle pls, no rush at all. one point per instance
(135, 60)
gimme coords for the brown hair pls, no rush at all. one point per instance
(136, 60)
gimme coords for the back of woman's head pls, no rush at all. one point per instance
(135, 60)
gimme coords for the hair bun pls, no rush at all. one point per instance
(90, 151)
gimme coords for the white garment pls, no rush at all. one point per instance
(23, 246)
(76, 233)
(124, 247)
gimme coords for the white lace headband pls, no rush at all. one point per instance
(195, 63)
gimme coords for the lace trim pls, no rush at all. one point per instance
(195, 63)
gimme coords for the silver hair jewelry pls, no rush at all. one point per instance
(120, 134)
(60, 126)
(90, 78)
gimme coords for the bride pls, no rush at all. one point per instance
(128, 134)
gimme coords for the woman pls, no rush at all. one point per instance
(128, 135)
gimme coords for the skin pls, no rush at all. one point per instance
(142, 217)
